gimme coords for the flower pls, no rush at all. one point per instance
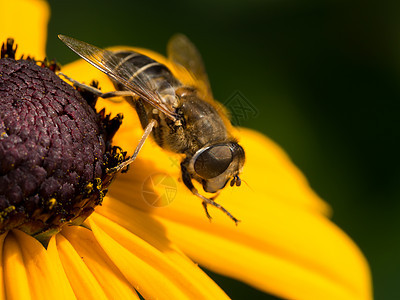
(54, 147)
(285, 245)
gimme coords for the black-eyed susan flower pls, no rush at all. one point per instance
(150, 232)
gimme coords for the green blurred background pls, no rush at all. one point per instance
(324, 77)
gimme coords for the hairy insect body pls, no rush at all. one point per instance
(176, 115)
(200, 124)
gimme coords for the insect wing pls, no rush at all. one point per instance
(183, 52)
(116, 68)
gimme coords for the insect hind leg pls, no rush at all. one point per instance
(207, 201)
(206, 210)
(97, 91)
(130, 160)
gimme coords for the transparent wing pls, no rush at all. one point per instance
(183, 52)
(115, 67)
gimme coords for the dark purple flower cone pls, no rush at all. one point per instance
(54, 150)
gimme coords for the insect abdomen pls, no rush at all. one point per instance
(152, 72)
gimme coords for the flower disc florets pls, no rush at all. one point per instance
(54, 149)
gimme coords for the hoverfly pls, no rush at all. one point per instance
(179, 117)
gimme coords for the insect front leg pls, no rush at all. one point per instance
(130, 160)
(187, 180)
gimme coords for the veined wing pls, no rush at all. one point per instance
(183, 52)
(132, 77)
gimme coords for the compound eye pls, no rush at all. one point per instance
(213, 161)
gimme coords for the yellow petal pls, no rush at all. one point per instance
(151, 272)
(30, 273)
(81, 279)
(26, 22)
(270, 269)
(16, 279)
(2, 290)
(110, 278)
(64, 287)
(44, 278)
(144, 226)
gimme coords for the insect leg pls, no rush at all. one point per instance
(145, 135)
(207, 201)
(188, 182)
(206, 210)
(96, 91)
